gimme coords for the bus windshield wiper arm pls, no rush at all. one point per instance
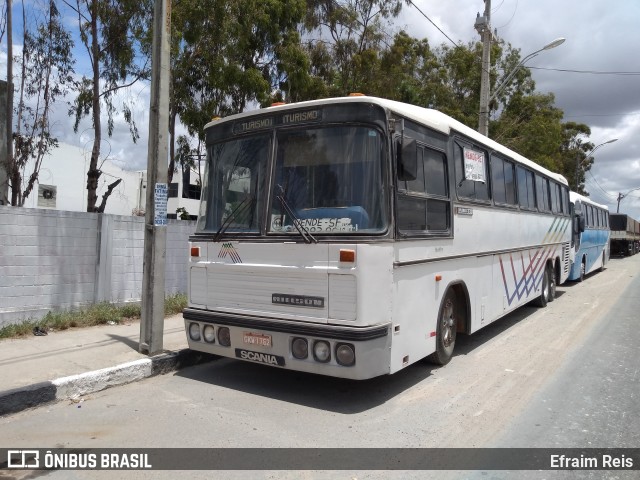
(304, 232)
(248, 200)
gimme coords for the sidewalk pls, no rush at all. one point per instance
(67, 364)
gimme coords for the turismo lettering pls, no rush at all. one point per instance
(300, 117)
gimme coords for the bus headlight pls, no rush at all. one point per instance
(300, 348)
(345, 354)
(209, 334)
(194, 332)
(224, 336)
(321, 351)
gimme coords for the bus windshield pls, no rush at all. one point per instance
(326, 180)
(330, 178)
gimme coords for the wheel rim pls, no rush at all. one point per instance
(552, 286)
(448, 324)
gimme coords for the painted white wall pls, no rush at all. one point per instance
(54, 260)
(66, 168)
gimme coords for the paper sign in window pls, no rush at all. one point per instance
(474, 168)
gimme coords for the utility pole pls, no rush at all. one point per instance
(4, 180)
(620, 197)
(155, 231)
(483, 27)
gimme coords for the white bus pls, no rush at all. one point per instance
(354, 236)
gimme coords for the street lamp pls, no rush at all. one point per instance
(587, 157)
(484, 108)
(507, 80)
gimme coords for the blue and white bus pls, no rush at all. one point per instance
(355, 236)
(590, 239)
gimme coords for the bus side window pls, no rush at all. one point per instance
(476, 185)
(526, 191)
(502, 181)
(423, 203)
(556, 204)
(542, 193)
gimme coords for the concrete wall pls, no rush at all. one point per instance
(58, 260)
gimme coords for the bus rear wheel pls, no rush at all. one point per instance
(446, 330)
(583, 269)
(545, 288)
(552, 284)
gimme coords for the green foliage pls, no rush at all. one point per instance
(98, 314)
(230, 55)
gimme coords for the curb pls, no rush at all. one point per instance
(74, 386)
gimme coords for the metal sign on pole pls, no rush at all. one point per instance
(155, 232)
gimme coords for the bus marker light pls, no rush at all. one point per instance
(195, 251)
(438, 278)
(278, 104)
(432, 334)
(348, 256)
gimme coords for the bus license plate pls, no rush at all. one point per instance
(259, 339)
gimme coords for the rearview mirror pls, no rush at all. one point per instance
(581, 223)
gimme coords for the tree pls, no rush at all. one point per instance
(573, 154)
(46, 72)
(224, 59)
(116, 36)
(532, 126)
(348, 61)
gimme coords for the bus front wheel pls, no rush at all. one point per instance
(446, 330)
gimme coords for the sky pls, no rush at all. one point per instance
(601, 38)
(594, 75)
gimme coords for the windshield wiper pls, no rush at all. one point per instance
(304, 231)
(242, 206)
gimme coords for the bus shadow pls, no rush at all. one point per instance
(335, 394)
(315, 391)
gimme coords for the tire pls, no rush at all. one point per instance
(583, 269)
(601, 269)
(446, 330)
(552, 284)
(542, 300)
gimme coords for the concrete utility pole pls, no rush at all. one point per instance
(483, 27)
(621, 196)
(155, 232)
(4, 181)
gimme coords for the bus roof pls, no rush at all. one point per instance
(573, 196)
(432, 118)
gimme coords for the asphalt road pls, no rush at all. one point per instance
(564, 376)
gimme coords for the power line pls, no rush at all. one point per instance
(589, 72)
(432, 23)
(603, 190)
(603, 115)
